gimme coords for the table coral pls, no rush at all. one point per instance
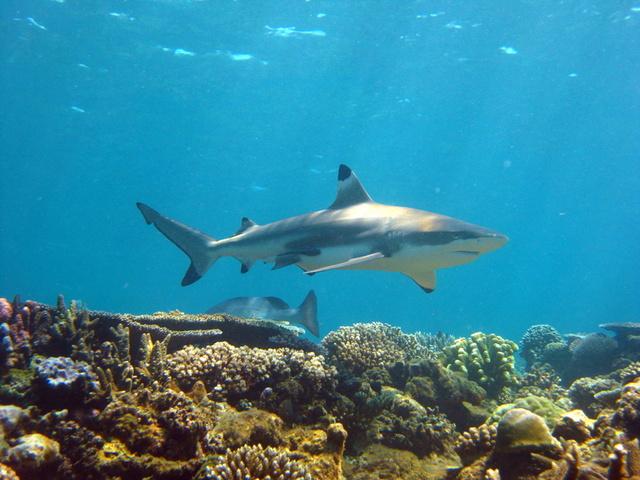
(364, 346)
(487, 359)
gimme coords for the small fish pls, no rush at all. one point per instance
(33, 23)
(508, 50)
(77, 109)
(240, 57)
(273, 308)
(181, 52)
(286, 32)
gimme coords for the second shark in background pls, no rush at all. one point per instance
(273, 308)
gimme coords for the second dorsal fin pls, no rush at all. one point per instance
(245, 224)
(350, 190)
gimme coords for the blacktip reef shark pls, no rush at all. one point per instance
(354, 233)
(273, 308)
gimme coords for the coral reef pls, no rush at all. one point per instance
(401, 422)
(487, 359)
(584, 391)
(521, 430)
(542, 406)
(534, 342)
(253, 462)
(475, 443)
(435, 342)
(592, 355)
(542, 381)
(282, 379)
(364, 346)
(627, 415)
(94, 395)
(627, 334)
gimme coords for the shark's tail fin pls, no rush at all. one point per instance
(308, 313)
(197, 245)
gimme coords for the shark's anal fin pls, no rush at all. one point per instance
(349, 263)
(425, 280)
(350, 190)
(246, 266)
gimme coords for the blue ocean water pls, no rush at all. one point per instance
(520, 116)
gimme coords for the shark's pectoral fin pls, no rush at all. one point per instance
(349, 263)
(425, 280)
(291, 258)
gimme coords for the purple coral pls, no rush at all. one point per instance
(63, 373)
(15, 339)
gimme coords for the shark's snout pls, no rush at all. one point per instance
(490, 241)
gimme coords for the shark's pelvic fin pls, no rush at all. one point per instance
(425, 280)
(245, 224)
(286, 259)
(349, 263)
(350, 190)
(194, 243)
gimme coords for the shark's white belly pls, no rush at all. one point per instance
(408, 259)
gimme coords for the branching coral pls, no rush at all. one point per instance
(244, 372)
(364, 346)
(475, 443)
(255, 463)
(487, 359)
(434, 342)
(401, 422)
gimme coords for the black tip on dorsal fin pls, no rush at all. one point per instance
(350, 190)
(343, 172)
(245, 224)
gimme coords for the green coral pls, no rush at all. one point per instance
(544, 407)
(487, 359)
(521, 430)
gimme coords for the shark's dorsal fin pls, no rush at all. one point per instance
(245, 224)
(350, 190)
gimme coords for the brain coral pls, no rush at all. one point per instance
(484, 358)
(534, 341)
(370, 345)
(244, 371)
(255, 463)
